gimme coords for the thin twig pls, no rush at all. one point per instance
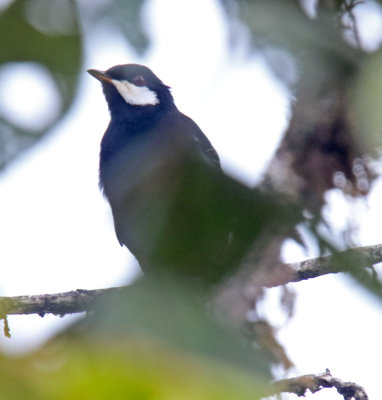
(349, 9)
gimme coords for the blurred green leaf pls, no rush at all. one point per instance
(367, 103)
(45, 33)
(214, 221)
(184, 217)
(136, 368)
(153, 340)
(125, 16)
(317, 43)
(166, 309)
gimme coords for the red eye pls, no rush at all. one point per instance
(139, 81)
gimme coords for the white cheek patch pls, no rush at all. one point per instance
(135, 95)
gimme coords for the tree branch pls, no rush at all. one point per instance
(358, 258)
(300, 385)
(81, 300)
(58, 303)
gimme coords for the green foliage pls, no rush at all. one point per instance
(45, 33)
(366, 96)
(193, 221)
(156, 339)
(124, 17)
(149, 341)
(173, 312)
(49, 34)
(131, 368)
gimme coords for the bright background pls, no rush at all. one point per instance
(56, 231)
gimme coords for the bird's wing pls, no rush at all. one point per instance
(192, 130)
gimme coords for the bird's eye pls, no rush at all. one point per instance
(139, 80)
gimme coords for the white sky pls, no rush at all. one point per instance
(56, 232)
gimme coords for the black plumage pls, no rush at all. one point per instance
(144, 121)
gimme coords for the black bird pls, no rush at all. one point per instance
(144, 121)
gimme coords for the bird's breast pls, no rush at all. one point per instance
(128, 148)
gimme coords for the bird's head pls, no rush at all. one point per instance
(132, 85)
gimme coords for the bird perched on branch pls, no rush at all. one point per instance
(144, 122)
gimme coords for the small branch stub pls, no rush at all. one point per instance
(7, 331)
(314, 383)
